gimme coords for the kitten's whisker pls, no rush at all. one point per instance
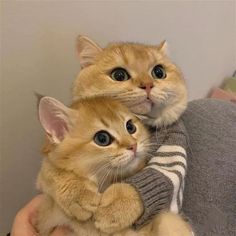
(104, 170)
(128, 93)
(101, 93)
(106, 175)
(116, 174)
(121, 174)
(150, 145)
(113, 181)
(97, 170)
(100, 182)
(145, 140)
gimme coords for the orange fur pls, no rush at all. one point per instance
(76, 170)
(168, 96)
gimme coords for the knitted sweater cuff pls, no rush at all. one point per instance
(155, 190)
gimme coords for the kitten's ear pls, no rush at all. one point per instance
(55, 118)
(87, 51)
(163, 47)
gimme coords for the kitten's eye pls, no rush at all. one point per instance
(158, 72)
(103, 138)
(130, 127)
(120, 74)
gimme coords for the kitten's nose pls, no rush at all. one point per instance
(147, 87)
(133, 147)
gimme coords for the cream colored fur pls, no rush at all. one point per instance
(72, 188)
(79, 209)
(168, 96)
(165, 224)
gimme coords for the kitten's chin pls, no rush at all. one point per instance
(142, 108)
(159, 114)
(167, 115)
(133, 166)
(118, 173)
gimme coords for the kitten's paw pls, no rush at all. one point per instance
(82, 201)
(89, 197)
(79, 213)
(167, 223)
(120, 207)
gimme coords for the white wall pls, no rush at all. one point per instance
(38, 55)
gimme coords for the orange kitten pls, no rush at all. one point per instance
(140, 76)
(92, 144)
(75, 131)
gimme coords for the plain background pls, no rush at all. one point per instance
(38, 54)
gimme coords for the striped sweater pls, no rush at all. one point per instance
(161, 183)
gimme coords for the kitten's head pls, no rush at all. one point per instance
(140, 76)
(96, 136)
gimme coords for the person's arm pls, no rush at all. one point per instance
(25, 221)
(160, 185)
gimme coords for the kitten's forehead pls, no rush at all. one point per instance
(103, 112)
(104, 116)
(115, 126)
(133, 55)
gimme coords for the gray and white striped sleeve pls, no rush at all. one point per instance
(161, 183)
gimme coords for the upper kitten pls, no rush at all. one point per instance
(96, 136)
(138, 75)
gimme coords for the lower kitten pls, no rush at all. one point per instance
(93, 144)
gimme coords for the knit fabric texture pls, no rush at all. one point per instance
(210, 183)
(210, 186)
(161, 183)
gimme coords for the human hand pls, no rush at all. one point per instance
(119, 208)
(25, 221)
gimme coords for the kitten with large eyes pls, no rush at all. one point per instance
(91, 146)
(141, 76)
(144, 79)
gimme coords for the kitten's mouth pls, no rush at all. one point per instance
(147, 100)
(142, 107)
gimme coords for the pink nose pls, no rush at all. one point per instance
(147, 87)
(133, 147)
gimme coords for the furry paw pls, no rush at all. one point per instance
(120, 207)
(79, 213)
(170, 224)
(89, 197)
(81, 200)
